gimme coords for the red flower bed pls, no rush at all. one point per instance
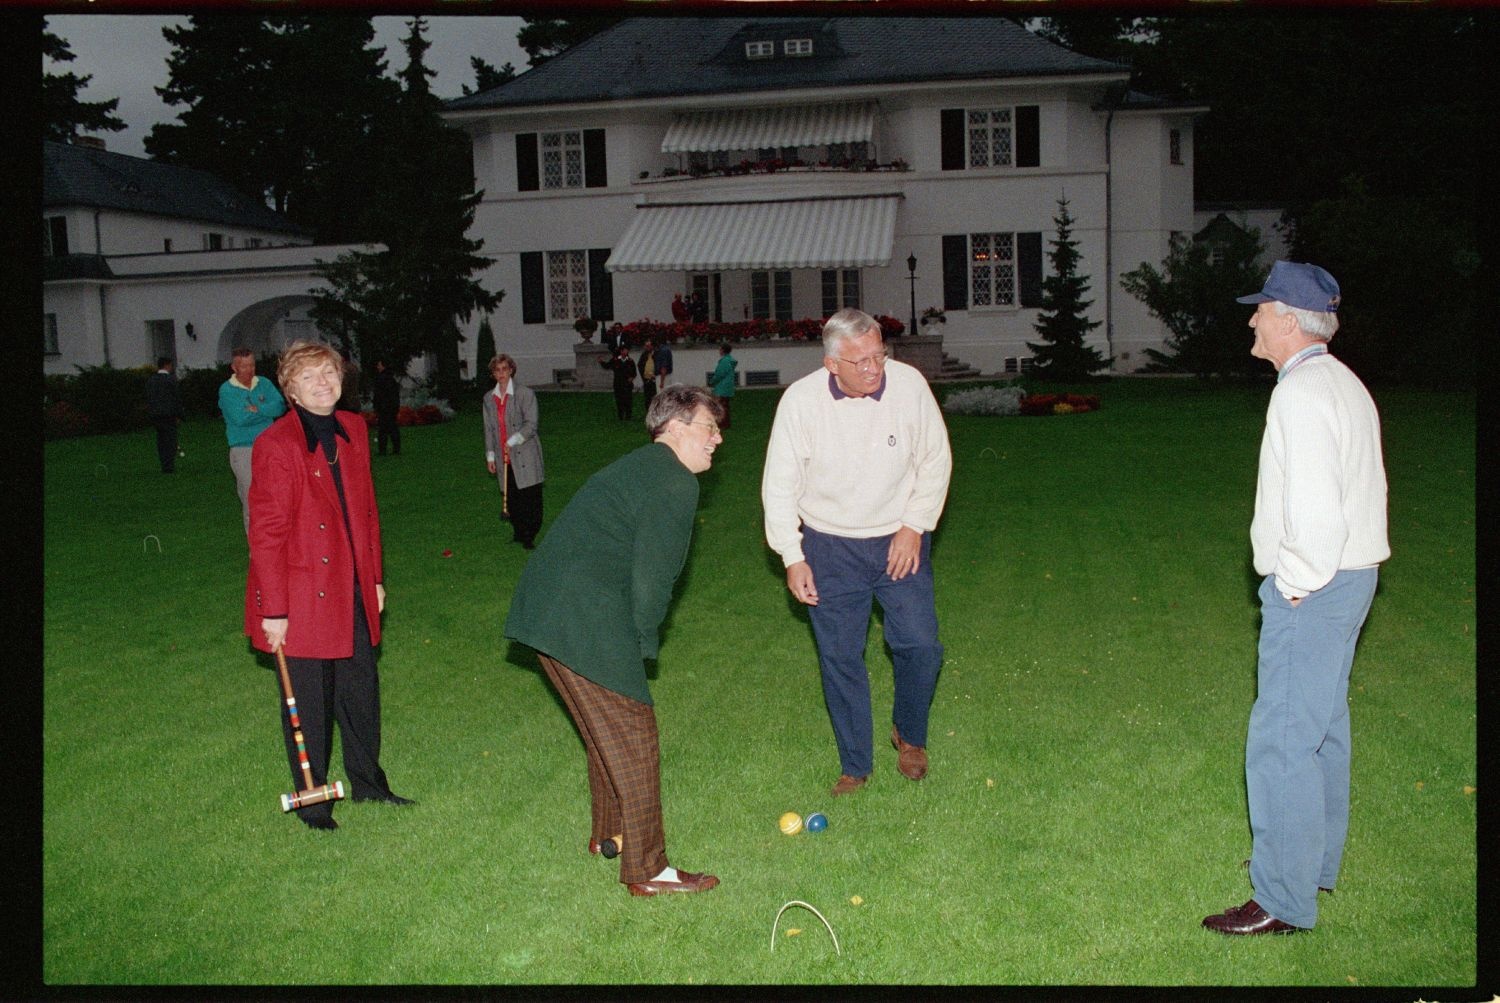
(427, 414)
(1038, 404)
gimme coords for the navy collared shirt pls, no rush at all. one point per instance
(838, 391)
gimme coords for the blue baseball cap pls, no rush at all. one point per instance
(1294, 283)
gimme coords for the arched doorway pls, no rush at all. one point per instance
(269, 326)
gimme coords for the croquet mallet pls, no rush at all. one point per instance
(309, 795)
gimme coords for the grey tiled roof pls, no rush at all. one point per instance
(82, 176)
(646, 57)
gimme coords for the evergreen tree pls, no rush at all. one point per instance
(64, 114)
(1063, 322)
(487, 77)
(284, 107)
(1193, 294)
(545, 37)
(407, 300)
(484, 348)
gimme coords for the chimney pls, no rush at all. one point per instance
(92, 142)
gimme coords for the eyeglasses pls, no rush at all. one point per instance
(868, 363)
(713, 428)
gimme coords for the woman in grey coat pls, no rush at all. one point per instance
(513, 450)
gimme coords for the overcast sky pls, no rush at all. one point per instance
(127, 57)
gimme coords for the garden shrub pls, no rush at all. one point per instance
(998, 401)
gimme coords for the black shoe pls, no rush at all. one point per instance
(320, 822)
(386, 798)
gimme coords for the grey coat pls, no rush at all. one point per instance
(520, 418)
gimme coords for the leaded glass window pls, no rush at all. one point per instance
(567, 285)
(989, 137)
(562, 159)
(992, 269)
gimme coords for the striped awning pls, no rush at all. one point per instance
(760, 128)
(738, 236)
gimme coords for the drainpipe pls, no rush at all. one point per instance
(103, 314)
(1109, 235)
(103, 323)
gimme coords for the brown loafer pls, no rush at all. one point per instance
(911, 759)
(686, 882)
(847, 785)
(1246, 921)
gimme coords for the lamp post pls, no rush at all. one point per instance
(911, 266)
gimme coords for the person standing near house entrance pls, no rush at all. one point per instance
(249, 404)
(855, 480)
(1318, 536)
(164, 408)
(513, 451)
(646, 366)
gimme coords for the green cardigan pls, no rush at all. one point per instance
(596, 589)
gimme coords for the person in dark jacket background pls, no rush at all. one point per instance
(624, 373)
(164, 408)
(387, 404)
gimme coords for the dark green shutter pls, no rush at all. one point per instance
(955, 271)
(594, 175)
(533, 289)
(601, 285)
(955, 157)
(528, 178)
(1029, 267)
(1028, 136)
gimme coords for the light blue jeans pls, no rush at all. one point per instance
(1297, 752)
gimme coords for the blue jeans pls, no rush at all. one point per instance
(1297, 751)
(849, 573)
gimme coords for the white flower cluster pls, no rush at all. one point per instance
(998, 401)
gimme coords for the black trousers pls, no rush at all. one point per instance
(525, 505)
(346, 690)
(648, 391)
(386, 429)
(166, 443)
(622, 401)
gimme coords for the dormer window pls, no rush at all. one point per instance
(796, 47)
(760, 50)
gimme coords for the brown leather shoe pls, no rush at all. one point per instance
(686, 882)
(1247, 920)
(848, 785)
(912, 759)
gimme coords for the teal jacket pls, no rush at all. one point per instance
(722, 381)
(241, 424)
(596, 589)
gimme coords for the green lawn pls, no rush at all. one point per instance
(1084, 810)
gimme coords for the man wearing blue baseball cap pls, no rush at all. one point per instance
(1318, 536)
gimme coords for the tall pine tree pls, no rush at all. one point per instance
(285, 107)
(64, 114)
(407, 300)
(1063, 322)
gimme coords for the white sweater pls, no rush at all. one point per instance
(1320, 500)
(854, 467)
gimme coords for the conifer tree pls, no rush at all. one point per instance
(1063, 322)
(64, 114)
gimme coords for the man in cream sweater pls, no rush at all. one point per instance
(855, 479)
(1318, 536)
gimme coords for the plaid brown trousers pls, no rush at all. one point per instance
(619, 735)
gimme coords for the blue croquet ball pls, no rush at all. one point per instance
(816, 822)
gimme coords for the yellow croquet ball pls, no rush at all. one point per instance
(790, 824)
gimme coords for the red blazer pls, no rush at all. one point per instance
(301, 565)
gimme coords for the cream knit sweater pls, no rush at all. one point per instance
(1320, 501)
(854, 467)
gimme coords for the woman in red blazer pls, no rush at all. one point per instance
(315, 581)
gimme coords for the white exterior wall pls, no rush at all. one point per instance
(256, 297)
(1150, 199)
(109, 231)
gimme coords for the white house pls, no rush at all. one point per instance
(144, 259)
(784, 167)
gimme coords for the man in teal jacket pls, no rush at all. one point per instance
(616, 551)
(249, 405)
